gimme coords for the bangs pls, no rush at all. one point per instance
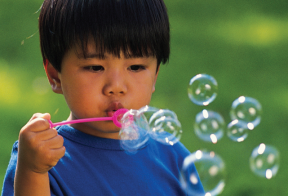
(135, 27)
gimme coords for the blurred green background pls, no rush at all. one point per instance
(243, 44)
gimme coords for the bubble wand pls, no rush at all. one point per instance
(113, 118)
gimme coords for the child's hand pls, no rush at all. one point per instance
(40, 147)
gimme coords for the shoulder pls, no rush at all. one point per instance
(8, 181)
(177, 152)
(15, 146)
(180, 148)
(14, 154)
(177, 148)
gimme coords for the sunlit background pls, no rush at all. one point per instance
(242, 44)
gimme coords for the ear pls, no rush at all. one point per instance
(155, 79)
(53, 77)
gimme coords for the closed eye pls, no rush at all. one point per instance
(95, 68)
(137, 68)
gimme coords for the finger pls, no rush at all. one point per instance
(36, 115)
(59, 152)
(47, 134)
(36, 125)
(54, 156)
(46, 116)
(55, 142)
(40, 115)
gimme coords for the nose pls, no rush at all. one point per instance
(115, 84)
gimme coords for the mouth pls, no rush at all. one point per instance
(113, 107)
(110, 113)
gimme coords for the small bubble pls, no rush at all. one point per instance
(165, 127)
(209, 126)
(237, 130)
(160, 113)
(166, 130)
(148, 111)
(264, 161)
(202, 89)
(246, 109)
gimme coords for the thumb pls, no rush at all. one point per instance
(46, 116)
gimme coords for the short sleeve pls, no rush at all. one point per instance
(8, 185)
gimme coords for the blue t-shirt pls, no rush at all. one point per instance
(98, 166)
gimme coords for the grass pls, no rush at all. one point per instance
(243, 44)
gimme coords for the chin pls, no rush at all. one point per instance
(109, 128)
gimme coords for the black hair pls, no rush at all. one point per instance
(136, 27)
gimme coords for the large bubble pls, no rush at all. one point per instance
(134, 133)
(210, 169)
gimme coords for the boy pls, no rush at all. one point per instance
(102, 55)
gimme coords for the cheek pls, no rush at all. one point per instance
(143, 94)
(74, 93)
(72, 97)
(75, 86)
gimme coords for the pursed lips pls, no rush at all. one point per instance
(113, 107)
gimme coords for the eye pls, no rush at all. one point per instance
(95, 68)
(137, 67)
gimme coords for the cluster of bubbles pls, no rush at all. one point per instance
(138, 126)
(162, 125)
(210, 126)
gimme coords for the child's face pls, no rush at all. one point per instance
(95, 87)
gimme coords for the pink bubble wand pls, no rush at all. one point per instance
(113, 118)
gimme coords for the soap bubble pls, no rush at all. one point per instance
(165, 127)
(237, 130)
(202, 89)
(211, 171)
(264, 161)
(209, 126)
(158, 114)
(134, 133)
(148, 111)
(246, 109)
(167, 130)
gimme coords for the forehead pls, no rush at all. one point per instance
(91, 49)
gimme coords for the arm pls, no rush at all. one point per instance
(40, 148)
